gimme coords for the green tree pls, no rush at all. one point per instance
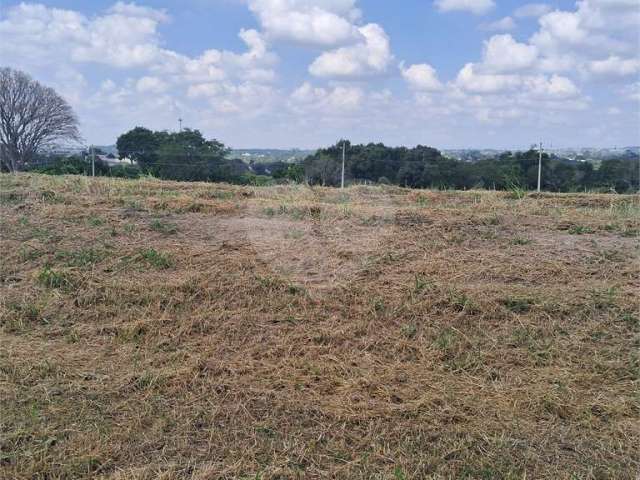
(141, 145)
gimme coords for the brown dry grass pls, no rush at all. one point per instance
(170, 330)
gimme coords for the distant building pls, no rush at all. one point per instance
(113, 161)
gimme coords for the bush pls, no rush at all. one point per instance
(124, 171)
(65, 166)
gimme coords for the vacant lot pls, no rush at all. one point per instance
(154, 329)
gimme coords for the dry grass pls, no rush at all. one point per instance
(171, 330)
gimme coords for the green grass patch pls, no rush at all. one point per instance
(95, 221)
(51, 278)
(518, 304)
(80, 258)
(520, 241)
(160, 226)
(156, 259)
(580, 230)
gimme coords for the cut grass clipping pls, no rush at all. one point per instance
(207, 331)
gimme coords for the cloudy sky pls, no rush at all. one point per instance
(303, 73)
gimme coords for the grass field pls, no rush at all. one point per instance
(154, 329)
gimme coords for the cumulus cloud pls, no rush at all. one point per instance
(477, 7)
(470, 80)
(323, 23)
(336, 99)
(615, 66)
(151, 85)
(502, 25)
(595, 28)
(421, 77)
(503, 54)
(532, 10)
(35, 35)
(555, 87)
(147, 82)
(371, 55)
(160, 84)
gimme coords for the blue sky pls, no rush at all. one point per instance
(303, 73)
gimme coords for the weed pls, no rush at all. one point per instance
(295, 234)
(295, 289)
(632, 320)
(520, 241)
(579, 230)
(193, 207)
(54, 279)
(422, 200)
(409, 330)
(630, 232)
(492, 220)
(166, 228)
(80, 258)
(28, 253)
(462, 303)
(516, 191)
(398, 474)
(155, 258)
(421, 283)
(49, 196)
(517, 304)
(24, 314)
(95, 221)
(378, 305)
(445, 339)
(604, 299)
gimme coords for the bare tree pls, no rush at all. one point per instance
(32, 118)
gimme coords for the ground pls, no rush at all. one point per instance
(154, 329)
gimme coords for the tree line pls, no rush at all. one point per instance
(188, 156)
(34, 117)
(426, 167)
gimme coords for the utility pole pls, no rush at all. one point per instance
(93, 161)
(343, 154)
(180, 123)
(539, 166)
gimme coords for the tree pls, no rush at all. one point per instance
(139, 144)
(184, 155)
(32, 117)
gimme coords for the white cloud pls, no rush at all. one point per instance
(502, 53)
(632, 92)
(470, 80)
(421, 77)
(134, 10)
(532, 10)
(237, 95)
(615, 66)
(151, 85)
(371, 55)
(337, 99)
(502, 25)
(539, 86)
(323, 23)
(477, 7)
(556, 87)
(595, 28)
(122, 37)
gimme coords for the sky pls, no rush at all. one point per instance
(305, 73)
